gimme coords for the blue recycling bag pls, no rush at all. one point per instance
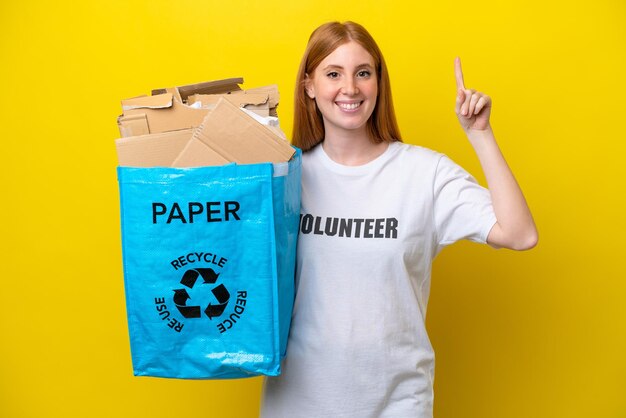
(209, 260)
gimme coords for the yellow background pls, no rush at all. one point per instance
(534, 334)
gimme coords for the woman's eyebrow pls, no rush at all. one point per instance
(332, 66)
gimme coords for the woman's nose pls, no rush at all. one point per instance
(350, 87)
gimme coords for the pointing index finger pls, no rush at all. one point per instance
(458, 73)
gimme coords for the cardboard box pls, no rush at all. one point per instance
(165, 110)
(208, 87)
(177, 108)
(273, 94)
(197, 154)
(203, 124)
(157, 114)
(155, 150)
(261, 100)
(238, 138)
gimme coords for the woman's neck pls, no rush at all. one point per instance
(352, 148)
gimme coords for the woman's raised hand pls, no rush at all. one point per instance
(472, 107)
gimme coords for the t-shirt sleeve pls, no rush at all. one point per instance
(462, 207)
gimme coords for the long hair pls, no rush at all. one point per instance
(308, 127)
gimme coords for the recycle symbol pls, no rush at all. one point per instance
(189, 280)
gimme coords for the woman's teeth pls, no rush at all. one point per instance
(349, 106)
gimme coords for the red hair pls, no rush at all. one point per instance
(308, 127)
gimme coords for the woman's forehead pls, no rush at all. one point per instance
(348, 55)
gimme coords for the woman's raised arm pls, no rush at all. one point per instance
(515, 227)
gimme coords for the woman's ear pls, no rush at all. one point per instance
(308, 86)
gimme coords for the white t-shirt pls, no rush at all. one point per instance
(368, 234)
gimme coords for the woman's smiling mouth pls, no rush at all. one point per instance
(348, 106)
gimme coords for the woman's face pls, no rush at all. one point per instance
(344, 86)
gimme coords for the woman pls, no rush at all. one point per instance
(375, 212)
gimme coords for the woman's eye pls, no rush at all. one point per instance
(363, 73)
(333, 74)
